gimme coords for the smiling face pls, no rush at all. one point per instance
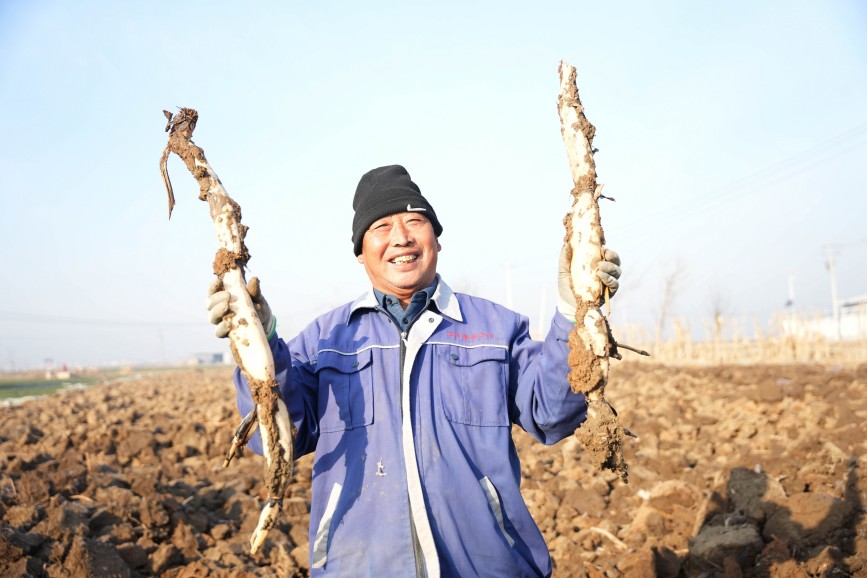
(399, 253)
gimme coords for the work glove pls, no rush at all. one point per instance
(608, 271)
(218, 306)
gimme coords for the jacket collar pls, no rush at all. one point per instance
(443, 297)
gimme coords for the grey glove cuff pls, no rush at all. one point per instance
(272, 330)
(566, 308)
(566, 303)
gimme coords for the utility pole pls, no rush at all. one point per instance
(790, 303)
(832, 251)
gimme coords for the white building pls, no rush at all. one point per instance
(849, 324)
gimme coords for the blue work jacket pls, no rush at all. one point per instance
(415, 471)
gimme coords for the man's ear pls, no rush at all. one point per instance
(439, 247)
(361, 259)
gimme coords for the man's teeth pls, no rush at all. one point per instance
(404, 259)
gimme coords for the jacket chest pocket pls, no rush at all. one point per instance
(345, 390)
(473, 385)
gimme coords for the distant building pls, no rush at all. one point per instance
(850, 324)
(52, 372)
(208, 359)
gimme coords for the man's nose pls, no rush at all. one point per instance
(400, 234)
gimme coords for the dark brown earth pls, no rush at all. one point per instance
(738, 471)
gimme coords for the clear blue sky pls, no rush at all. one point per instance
(733, 136)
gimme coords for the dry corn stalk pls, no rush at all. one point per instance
(590, 341)
(247, 338)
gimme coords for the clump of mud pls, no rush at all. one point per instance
(601, 436)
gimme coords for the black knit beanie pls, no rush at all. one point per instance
(385, 191)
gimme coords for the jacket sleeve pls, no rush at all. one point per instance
(540, 398)
(298, 389)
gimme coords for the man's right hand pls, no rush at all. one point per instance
(218, 307)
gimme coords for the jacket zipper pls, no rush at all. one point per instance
(416, 545)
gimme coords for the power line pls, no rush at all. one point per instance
(747, 185)
(67, 320)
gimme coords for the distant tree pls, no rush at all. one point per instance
(670, 284)
(720, 307)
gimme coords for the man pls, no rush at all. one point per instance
(407, 396)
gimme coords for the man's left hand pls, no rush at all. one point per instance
(608, 271)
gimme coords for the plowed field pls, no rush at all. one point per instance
(736, 471)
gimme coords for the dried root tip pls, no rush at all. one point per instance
(184, 122)
(231, 453)
(166, 180)
(633, 349)
(267, 519)
(242, 435)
